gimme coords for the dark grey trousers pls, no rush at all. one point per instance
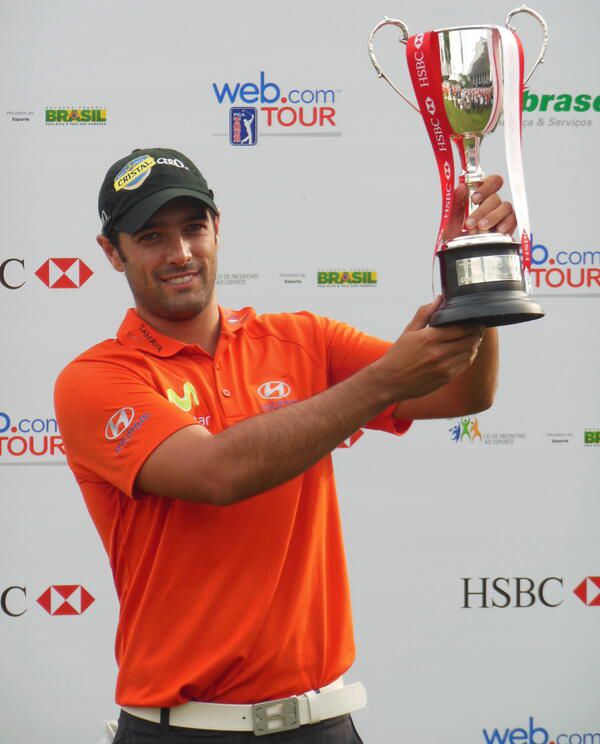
(133, 730)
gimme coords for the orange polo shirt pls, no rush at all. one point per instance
(232, 604)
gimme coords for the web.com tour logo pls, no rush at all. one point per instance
(274, 109)
(531, 733)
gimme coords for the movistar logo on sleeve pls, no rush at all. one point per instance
(185, 401)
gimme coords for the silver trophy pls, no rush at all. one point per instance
(482, 276)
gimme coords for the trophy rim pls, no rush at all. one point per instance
(487, 27)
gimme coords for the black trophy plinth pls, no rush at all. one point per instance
(484, 284)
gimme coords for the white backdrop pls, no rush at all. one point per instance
(422, 514)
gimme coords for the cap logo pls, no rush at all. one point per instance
(134, 173)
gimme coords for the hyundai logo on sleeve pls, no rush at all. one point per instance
(274, 390)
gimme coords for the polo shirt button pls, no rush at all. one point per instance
(226, 393)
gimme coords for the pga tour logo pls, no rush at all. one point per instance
(243, 126)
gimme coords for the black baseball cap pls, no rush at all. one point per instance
(136, 186)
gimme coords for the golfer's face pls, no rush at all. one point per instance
(171, 264)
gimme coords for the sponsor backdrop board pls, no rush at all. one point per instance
(472, 544)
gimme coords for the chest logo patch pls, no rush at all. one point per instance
(274, 390)
(185, 401)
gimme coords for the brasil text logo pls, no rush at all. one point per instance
(344, 278)
(591, 437)
(64, 116)
(280, 109)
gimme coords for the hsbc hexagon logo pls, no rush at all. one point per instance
(64, 273)
(419, 41)
(447, 170)
(274, 390)
(430, 106)
(118, 423)
(588, 591)
(65, 599)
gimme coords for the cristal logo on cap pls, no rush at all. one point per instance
(134, 173)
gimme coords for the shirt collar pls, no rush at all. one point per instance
(137, 334)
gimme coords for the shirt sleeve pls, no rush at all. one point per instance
(348, 351)
(111, 417)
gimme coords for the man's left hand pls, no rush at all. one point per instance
(492, 214)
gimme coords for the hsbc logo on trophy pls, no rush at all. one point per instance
(65, 599)
(274, 390)
(64, 273)
(430, 106)
(447, 170)
(589, 591)
(419, 41)
(118, 423)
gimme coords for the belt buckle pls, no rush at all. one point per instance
(286, 711)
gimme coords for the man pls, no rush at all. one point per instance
(213, 495)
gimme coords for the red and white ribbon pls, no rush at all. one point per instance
(423, 56)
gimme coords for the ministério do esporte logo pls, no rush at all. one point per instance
(271, 108)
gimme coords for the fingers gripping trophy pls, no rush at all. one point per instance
(465, 79)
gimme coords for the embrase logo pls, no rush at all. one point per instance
(274, 390)
(589, 591)
(64, 273)
(118, 423)
(65, 599)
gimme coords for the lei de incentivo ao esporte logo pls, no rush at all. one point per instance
(266, 106)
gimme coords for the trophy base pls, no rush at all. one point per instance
(490, 309)
(482, 282)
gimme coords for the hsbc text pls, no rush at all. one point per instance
(517, 591)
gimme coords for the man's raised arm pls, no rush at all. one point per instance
(264, 451)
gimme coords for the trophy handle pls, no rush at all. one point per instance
(380, 73)
(543, 24)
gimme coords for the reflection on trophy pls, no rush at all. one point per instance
(465, 79)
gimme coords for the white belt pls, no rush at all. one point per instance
(268, 717)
